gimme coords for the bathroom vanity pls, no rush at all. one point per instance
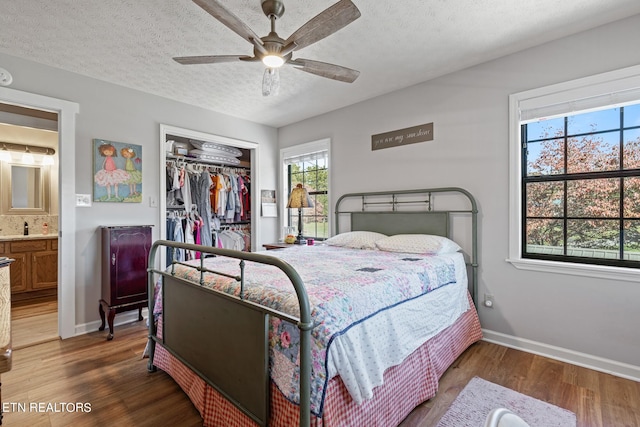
(34, 272)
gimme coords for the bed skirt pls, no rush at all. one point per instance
(406, 386)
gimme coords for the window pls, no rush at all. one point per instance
(575, 177)
(581, 187)
(308, 164)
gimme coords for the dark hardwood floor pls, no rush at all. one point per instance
(112, 378)
(34, 322)
(597, 399)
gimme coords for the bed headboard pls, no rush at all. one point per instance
(414, 212)
(391, 223)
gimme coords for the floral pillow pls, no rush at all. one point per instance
(356, 239)
(418, 244)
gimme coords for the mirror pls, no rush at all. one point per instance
(29, 189)
(26, 187)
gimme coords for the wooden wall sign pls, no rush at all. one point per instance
(405, 136)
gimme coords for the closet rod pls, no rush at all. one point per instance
(240, 169)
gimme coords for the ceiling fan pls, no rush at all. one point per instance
(275, 51)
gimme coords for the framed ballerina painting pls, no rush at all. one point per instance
(117, 172)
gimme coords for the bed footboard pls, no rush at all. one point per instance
(223, 338)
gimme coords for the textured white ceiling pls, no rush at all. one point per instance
(394, 44)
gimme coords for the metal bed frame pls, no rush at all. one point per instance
(238, 369)
(391, 221)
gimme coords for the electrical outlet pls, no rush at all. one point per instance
(488, 300)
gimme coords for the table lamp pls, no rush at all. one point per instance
(299, 199)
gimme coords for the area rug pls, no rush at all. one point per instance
(479, 397)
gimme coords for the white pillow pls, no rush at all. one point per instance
(214, 158)
(418, 244)
(356, 239)
(215, 148)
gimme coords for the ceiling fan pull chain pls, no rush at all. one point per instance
(270, 82)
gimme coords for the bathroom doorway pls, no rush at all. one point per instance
(66, 112)
(29, 220)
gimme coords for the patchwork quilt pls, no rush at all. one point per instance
(346, 287)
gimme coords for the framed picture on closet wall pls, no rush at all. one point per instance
(268, 203)
(117, 172)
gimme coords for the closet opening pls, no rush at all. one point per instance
(207, 191)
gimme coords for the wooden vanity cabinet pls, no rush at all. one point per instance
(34, 273)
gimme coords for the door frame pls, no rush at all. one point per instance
(67, 111)
(254, 148)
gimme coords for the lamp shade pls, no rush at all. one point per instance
(299, 198)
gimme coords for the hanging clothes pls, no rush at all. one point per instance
(236, 237)
(207, 197)
(232, 195)
(201, 182)
(175, 233)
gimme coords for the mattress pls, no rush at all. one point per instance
(371, 308)
(405, 386)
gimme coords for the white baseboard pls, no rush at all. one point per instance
(120, 319)
(596, 363)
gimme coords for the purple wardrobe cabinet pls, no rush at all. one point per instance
(125, 255)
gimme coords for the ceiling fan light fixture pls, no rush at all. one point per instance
(273, 50)
(273, 61)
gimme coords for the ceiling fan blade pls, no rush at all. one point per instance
(324, 24)
(322, 69)
(222, 14)
(210, 59)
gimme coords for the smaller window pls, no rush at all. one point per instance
(311, 169)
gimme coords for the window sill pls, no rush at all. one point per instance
(574, 269)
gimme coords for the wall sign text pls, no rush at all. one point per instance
(405, 136)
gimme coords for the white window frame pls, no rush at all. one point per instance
(295, 151)
(612, 89)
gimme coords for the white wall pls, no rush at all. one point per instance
(116, 113)
(577, 318)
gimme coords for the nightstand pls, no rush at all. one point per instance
(280, 245)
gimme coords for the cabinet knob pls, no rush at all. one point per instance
(113, 259)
